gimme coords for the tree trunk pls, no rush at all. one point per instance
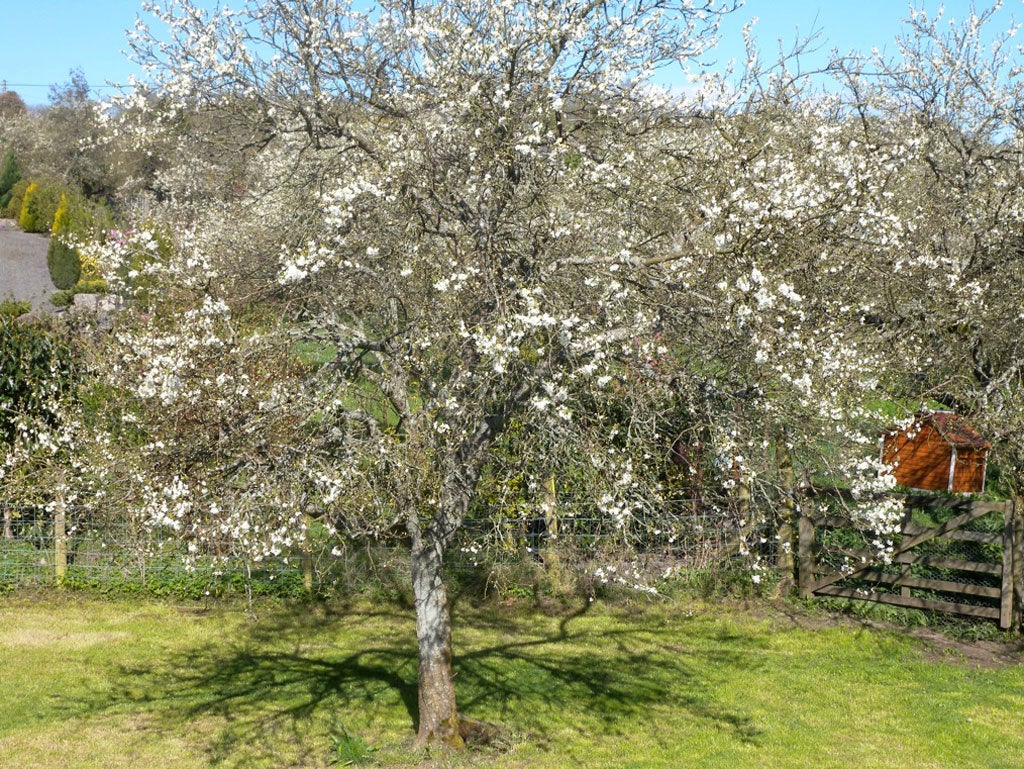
(439, 717)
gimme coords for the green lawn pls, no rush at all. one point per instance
(111, 684)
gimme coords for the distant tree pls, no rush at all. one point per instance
(73, 130)
(11, 105)
(67, 140)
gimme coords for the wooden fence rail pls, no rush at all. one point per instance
(987, 585)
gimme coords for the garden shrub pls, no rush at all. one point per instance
(28, 216)
(49, 197)
(91, 286)
(39, 205)
(77, 219)
(16, 195)
(12, 308)
(63, 298)
(10, 175)
(62, 259)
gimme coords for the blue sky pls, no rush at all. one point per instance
(41, 41)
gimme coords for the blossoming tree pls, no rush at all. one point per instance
(947, 296)
(464, 206)
(397, 247)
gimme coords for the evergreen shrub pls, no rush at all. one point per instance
(62, 259)
(16, 194)
(10, 174)
(63, 298)
(93, 286)
(28, 216)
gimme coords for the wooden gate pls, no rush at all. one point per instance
(960, 556)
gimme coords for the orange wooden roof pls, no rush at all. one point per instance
(955, 430)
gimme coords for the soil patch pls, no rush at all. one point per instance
(979, 654)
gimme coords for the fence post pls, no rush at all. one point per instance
(908, 517)
(1007, 601)
(1018, 564)
(744, 512)
(60, 539)
(805, 533)
(307, 555)
(785, 560)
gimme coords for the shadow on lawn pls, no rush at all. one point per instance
(270, 684)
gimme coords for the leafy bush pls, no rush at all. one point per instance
(77, 219)
(92, 286)
(63, 298)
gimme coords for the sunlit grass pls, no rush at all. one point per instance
(91, 683)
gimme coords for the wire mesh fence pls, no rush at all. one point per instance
(119, 555)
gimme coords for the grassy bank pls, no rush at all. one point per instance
(110, 684)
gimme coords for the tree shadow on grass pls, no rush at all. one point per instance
(607, 678)
(265, 688)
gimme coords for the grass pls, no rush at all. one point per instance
(93, 683)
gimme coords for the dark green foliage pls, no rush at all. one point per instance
(36, 367)
(10, 175)
(65, 266)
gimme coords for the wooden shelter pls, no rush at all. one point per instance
(939, 451)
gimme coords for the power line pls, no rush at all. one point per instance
(6, 85)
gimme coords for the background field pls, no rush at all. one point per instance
(95, 683)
